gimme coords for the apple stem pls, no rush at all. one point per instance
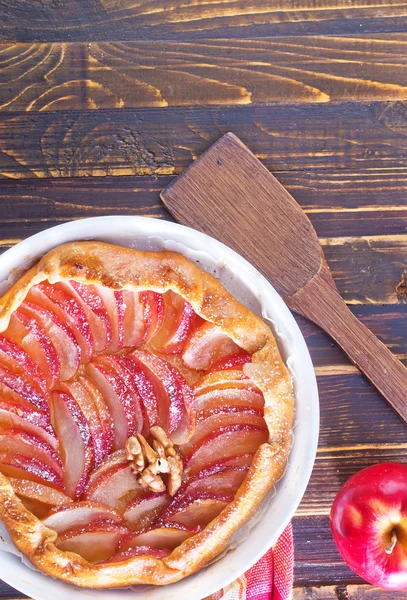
(393, 542)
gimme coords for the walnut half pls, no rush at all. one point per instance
(150, 462)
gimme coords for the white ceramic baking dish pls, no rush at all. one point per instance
(251, 288)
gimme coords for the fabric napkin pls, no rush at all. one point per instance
(271, 578)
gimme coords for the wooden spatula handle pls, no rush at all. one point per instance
(320, 301)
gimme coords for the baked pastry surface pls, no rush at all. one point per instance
(224, 390)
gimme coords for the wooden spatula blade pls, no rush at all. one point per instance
(228, 194)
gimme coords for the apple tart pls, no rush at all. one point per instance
(144, 415)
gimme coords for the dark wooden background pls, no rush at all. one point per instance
(103, 102)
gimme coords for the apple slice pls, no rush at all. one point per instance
(138, 383)
(207, 422)
(79, 514)
(134, 325)
(142, 511)
(33, 339)
(115, 487)
(14, 415)
(206, 346)
(60, 334)
(221, 380)
(237, 397)
(88, 409)
(96, 312)
(167, 537)
(223, 482)
(74, 435)
(17, 360)
(25, 466)
(178, 317)
(55, 298)
(21, 387)
(102, 409)
(117, 458)
(95, 542)
(195, 511)
(123, 403)
(48, 496)
(232, 361)
(140, 551)
(153, 313)
(19, 441)
(225, 442)
(174, 397)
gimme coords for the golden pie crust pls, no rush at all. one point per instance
(122, 268)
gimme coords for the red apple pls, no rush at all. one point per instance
(176, 324)
(96, 542)
(232, 361)
(369, 524)
(79, 514)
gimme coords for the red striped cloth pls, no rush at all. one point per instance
(269, 579)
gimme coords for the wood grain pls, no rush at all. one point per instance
(177, 19)
(341, 592)
(149, 142)
(61, 76)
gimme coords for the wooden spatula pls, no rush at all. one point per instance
(228, 194)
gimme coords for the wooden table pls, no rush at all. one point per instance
(103, 102)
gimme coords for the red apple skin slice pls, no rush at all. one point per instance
(55, 298)
(194, 511)
(61, 336)
(33, 339)
(206, 346)
(14, 415)
(207, 422)
(74, 436)
(20, 441)
(232, 361)
(23, 466)
(123, 383)
(115, 487)
(96, 312)
(20, 386)
(124, 411)
(15, 358)
(166, 388)
(226, 442)
(140, 551)
(225, 482)
(79, 514)
(237, 397)
(88, 409)
(141, 512)
(95, 542)
(139, 384)
(173, 332)
(168, 537)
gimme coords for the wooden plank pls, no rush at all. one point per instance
(177, 19)
(163, 142)
(349, 592)
(60, 76)
(334, 466)
(317, 561)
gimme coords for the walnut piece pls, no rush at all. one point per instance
(149, 463)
